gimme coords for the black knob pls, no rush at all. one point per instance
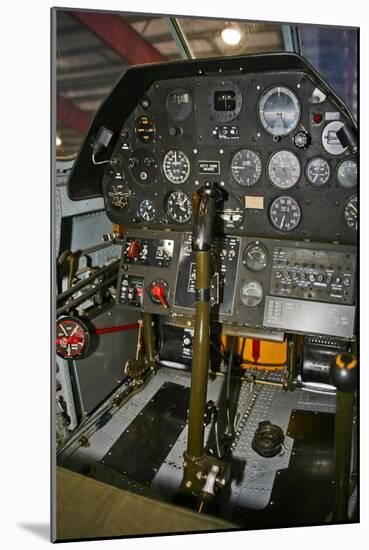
(344, 372)
(302, 139)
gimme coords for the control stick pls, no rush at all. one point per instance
(197, 464)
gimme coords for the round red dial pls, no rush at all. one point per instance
(72, 338)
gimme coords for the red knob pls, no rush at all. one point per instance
(158, 291)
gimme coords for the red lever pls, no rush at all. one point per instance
(255, 350)
(133, 250)
(158, 291)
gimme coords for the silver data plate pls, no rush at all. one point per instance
(311, 317)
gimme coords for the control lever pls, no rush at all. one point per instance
(158, 293)
(197, 463)
(202, 236)
(343, 374)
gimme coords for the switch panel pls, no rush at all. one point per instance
(149, 252)
(131, 291)
(318, 275)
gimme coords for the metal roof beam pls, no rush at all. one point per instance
(120, 37)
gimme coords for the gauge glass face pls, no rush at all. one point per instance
(179, 207)
(251, 293)
(225, 101)
(246, 167)
(230, 212)
(179, 104)
(350, 213)
(284, 169)
(176, 166)
(318, 171)
(347, 174)
(72, 338)
(255, 256)
(285, 213)
(118, 194)
(279, 111)
(147, 210)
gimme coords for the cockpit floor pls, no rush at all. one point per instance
(140, 448)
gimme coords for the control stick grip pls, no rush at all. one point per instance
(203, 227)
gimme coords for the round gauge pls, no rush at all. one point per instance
(176, 166)
(72, 338)
(230, 212)
(284, 169)
(279, 111)
(347, 174)
(225, 101)
(251, 293)
(145, 129)
(246, 167)
(285, 213)
(147, 210)
(318, 171)
(255, 256)
(330, 141)
(350, 213)
(179, 104)
(118, 194)
(179, 207)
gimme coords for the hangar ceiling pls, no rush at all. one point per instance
(93, 49)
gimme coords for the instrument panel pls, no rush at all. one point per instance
(267, 139)
(267, 130)
(256, 282)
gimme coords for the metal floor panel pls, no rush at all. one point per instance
(252, 477)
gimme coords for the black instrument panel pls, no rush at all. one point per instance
(256, 282)
(268, 140)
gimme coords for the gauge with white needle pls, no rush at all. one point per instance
(285, 213)
(176, 166)
(72, 338)
(246, 167)
(318, 171)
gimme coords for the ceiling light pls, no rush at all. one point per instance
(231, 36)
(58, 141)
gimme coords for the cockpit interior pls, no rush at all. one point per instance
(206, 335)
